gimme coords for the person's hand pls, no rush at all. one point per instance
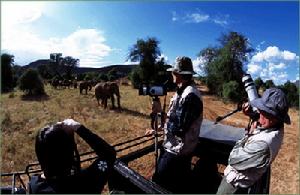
(246, 108)
(150, 131)
(253, 126)
(69, 125)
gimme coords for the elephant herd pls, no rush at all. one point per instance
(103, 91)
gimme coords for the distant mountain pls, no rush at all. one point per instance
(120, 69)
(37, 63)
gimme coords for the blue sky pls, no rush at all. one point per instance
(101, 33)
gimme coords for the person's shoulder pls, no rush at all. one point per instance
(256, 146)
(191, 90)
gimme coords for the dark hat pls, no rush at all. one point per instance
(274, 102)
(183, 65)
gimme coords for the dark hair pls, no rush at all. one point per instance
(55, 151)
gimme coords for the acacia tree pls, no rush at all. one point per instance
(55, 64)
(225, 63)
(69, 63)
(7, 61)
(146, 52)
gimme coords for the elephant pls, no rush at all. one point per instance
(103, 91)
(84, 85)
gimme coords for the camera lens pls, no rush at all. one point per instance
(250, 87)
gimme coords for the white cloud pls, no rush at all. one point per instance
(287, 55)
(174, 16)
(200, 17)
(258, 57)
(273, 54)
(254, 68)
(275, 64)
(196, 18)
(166, 59)
(131, 63)
(27, 45)
(221, 20)
(85, 44)
(17, 12)
(198, 65)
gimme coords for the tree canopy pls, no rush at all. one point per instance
(224, 64)
(145, 52)
(69, 63)
(150, 69)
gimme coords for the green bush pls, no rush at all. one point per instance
(230, 91)
(292, 93)
(90, 76)
(31, 83)
(135, 78)
(102, 77)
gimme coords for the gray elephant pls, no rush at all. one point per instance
(103, 91)
(84, 85)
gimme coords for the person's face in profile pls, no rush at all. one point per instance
(267, 120)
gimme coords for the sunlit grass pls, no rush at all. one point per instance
(21, 119)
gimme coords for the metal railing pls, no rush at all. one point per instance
(34, 167)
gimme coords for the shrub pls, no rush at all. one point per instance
(31, 83)
(231, 92)
(292, 93)
(102, 77)
(135, 78)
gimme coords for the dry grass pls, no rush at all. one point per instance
(20, 120)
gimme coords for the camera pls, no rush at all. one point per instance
(250, 87)
(252, 94)
(146, 89)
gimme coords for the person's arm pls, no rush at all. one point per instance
(252, 155)
(100, 146)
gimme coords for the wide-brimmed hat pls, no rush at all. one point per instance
(274, 102)
(183, 65)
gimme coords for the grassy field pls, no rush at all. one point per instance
(22, 118)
